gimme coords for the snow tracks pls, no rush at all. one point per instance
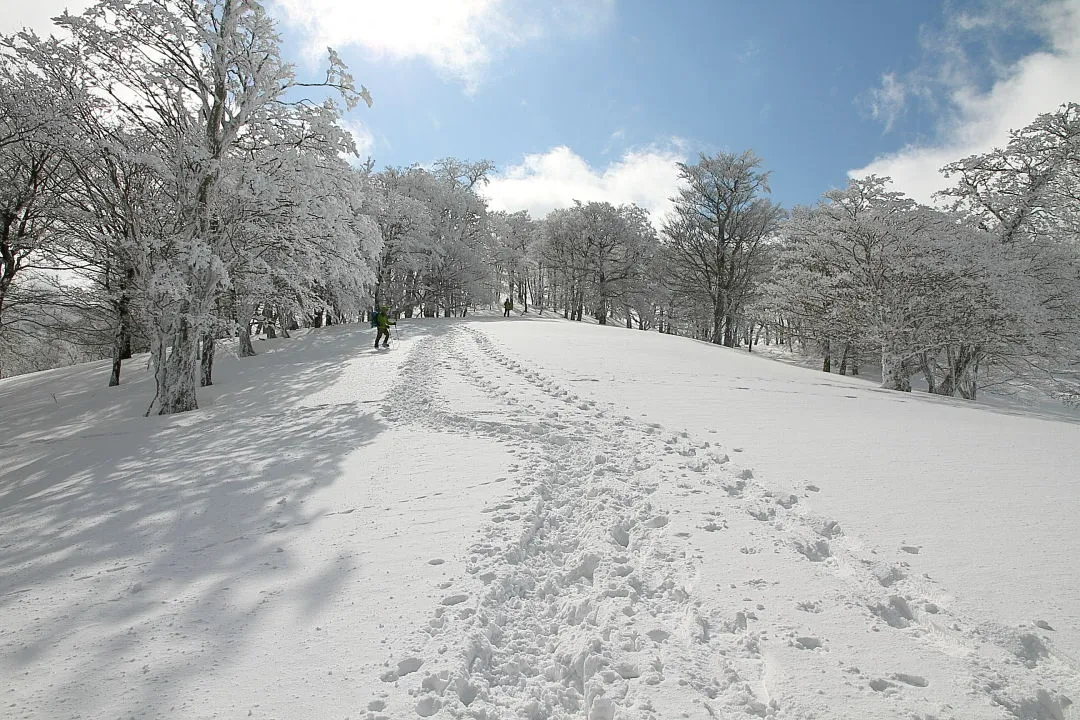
(636, 573)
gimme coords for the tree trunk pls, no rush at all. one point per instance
(717, 336)
(206, 364)
(928, 373)
(122, 340)
(242, 314)
(601, 311)
(124, 315)
(246, 348)
(9, 264)
(730, 328)
(970, 385)
(826, 362)
(176, 368)
(114, 376)
(963, 365)
(538, 291)
(894, 374)
(844, 359)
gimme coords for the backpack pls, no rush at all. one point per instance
(374, 315)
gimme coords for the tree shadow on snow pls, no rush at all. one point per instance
(126, 524)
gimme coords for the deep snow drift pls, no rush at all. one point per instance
(532, 518)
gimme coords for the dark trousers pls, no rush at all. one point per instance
(383, 333)
(506, 312)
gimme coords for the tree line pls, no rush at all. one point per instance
(168, 182)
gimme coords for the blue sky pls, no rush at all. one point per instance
(786, 81)
(596, 99)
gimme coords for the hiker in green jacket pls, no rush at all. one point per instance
(383, 323)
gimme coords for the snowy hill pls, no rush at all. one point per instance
(531, 518)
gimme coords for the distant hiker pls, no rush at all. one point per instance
(383, 322)
(507, 307)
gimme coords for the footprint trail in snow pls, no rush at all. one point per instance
(637, 573)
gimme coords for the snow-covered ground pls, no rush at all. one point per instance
(531, 518)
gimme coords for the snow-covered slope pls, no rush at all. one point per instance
(987, 492)
(531, 518)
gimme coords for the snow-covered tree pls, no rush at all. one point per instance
(615, 245)
(113, 197)
(405, 226)
(869, 268)
(562, 253)
(512, 238)
(717, 234)
(202, 87)
(434, 226)
(648, 299)
(1027, 195)
(459, 268)
(295, 239)
(595, 255)
(33, 175)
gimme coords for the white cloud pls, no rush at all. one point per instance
(554, 179)
(36, 14)
(449, 34)
(887, 102)
(460, 37)
(362, 137)
(975, 120)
